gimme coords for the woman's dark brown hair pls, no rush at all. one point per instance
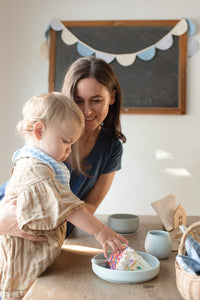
(91, 66)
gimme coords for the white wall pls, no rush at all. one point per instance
(23, 73)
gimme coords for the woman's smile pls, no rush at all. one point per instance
(89, 120)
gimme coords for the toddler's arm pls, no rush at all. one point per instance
(84, 220)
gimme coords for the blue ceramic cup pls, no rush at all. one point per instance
(158, 243)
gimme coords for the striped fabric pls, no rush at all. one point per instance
(60, 170)
(191, 261)
(2, 193)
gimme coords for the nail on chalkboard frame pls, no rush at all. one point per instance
(157, 86)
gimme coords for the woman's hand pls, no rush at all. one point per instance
(107, 237)
(9, 224)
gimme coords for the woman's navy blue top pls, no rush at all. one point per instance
(104, 158)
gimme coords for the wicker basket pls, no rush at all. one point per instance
(187, 284)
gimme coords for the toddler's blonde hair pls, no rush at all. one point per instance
(52, 108)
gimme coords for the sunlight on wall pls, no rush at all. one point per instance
(162, 154)
(177, 172)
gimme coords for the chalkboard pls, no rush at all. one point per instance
(157, 86)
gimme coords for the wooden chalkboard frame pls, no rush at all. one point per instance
(181, 82)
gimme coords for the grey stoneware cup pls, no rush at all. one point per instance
(123, 223)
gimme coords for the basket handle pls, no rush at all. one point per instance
(188, 230)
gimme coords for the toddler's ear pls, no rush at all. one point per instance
(38, 130)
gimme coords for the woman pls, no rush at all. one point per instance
(93, 85)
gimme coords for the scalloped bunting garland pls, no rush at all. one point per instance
(127, 59)
(68, 38)
(107, 57)
(84, 50)
(56, 25)
(44, 50)
(191, 27)
(147, 54)
(165, 43)
(192, 47)
(180, 28)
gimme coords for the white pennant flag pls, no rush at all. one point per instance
(180, 28)
(126, 59)
(68, 37)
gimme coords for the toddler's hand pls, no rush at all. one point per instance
(105, 236)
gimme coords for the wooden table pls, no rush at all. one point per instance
(71, 276)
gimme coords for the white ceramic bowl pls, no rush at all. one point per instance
(126, 276)
(123, 223)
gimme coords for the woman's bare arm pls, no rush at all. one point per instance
(9, 224)
(97, 194)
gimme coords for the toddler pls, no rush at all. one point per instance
(40, 187)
